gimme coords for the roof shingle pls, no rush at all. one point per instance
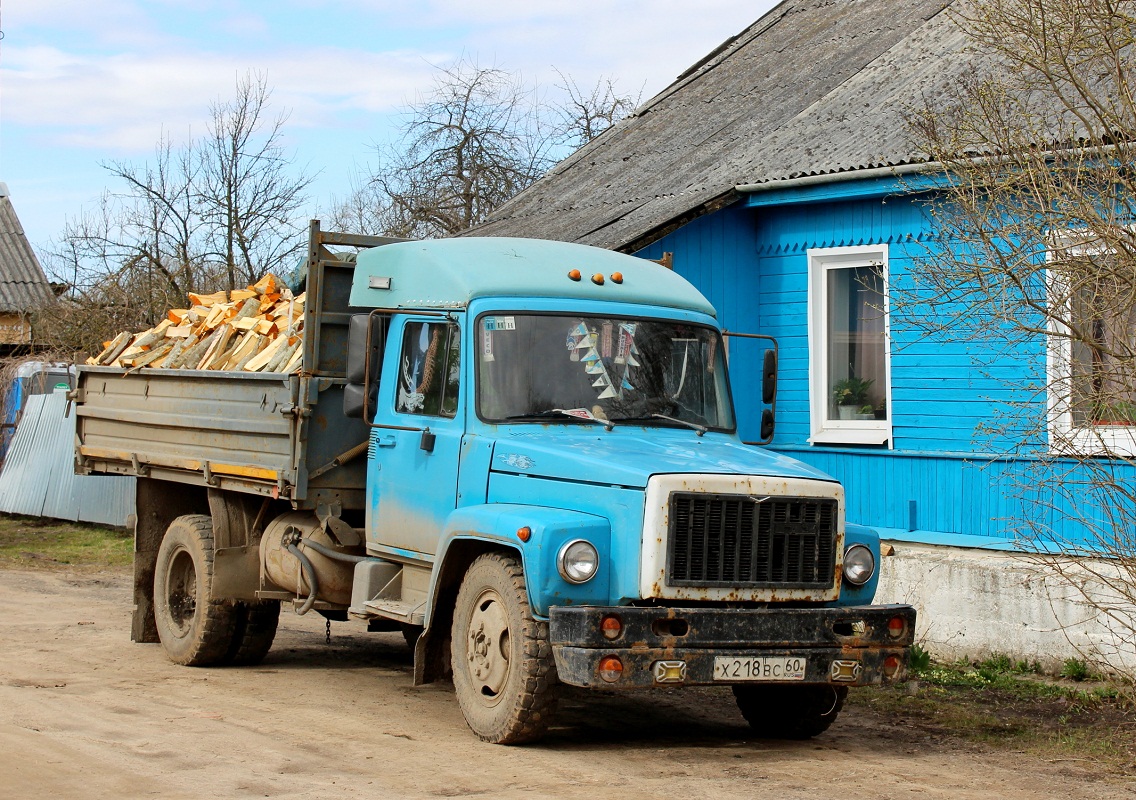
(813, 87)
(23, 285)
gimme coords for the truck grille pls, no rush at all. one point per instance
(726, 540)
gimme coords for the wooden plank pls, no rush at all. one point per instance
(207, 299)
(260, 325)
(261, 359)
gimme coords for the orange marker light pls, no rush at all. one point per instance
(574, 274)
(896, 627)
(617, 277)
(611, 626)
(524, 534)
(891, 666)
(610, 668)
(598, 279)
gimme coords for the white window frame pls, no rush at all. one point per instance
(1064, 438)
(821, 260)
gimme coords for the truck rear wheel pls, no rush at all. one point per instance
(778, 711)
(194, 628)
(253, 632)
(504, 672)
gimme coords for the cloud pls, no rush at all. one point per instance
(87, 81)
(639, 42)
(121, 103)
(130, 72)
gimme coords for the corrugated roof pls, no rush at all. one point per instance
(813, 87)
(23, 285)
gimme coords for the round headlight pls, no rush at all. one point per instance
(859, 565)
(578, 561)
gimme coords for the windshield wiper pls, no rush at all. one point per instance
(574, 413)
(694, 425)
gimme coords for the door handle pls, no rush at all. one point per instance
(386, 441)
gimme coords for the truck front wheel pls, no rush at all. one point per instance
(194, 628)
(777, 711)
(504, 672)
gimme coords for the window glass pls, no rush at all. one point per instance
(1103, 348)
(429, 369)
(540, 366)
(857, 388)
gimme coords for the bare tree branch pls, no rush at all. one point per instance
(219, 212)
(1035, 253)
(476, 139)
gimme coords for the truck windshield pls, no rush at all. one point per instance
(648, 371)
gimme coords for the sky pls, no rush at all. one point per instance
(88, 82)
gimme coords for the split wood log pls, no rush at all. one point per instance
(259, 328)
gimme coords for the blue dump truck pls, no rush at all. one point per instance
(522, 454)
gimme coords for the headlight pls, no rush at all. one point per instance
(578, 561)
(859, 565)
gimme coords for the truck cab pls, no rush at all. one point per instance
(555, 424)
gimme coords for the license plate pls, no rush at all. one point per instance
(760, 668)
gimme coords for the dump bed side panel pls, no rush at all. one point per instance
(242, 432)
(191, 426)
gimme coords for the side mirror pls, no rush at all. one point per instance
(362, 358)
(768, 381)
(767, 424)
(768, 385)
(365, 339)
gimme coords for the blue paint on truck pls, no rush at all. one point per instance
(529, 461)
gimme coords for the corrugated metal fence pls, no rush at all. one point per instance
(39, 480)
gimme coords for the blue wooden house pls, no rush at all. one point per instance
(779, 173)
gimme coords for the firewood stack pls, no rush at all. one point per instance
(258, 329)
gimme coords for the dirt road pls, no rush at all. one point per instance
(86, 714)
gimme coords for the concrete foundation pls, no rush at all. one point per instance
(974, 603)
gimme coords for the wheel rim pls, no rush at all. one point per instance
(487, 647)
(181, 592)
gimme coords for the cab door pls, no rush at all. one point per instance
(415, 460)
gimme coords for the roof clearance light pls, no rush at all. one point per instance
(617, 277)
(598, 279)
(574, 274)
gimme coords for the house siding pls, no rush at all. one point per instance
(948, 476)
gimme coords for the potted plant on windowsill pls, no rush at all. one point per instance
(1118, 414)
(850, 396)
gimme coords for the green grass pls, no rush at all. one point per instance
(36, 543)
(1000, 703)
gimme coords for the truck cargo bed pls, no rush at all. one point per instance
(280, 435)
(240, 431)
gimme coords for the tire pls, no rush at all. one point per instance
(253, 632)
(789, 712)
(504, 673)
(195, 629)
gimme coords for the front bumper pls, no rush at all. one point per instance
(842, 646)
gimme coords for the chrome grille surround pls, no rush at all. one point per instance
(725, 546)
